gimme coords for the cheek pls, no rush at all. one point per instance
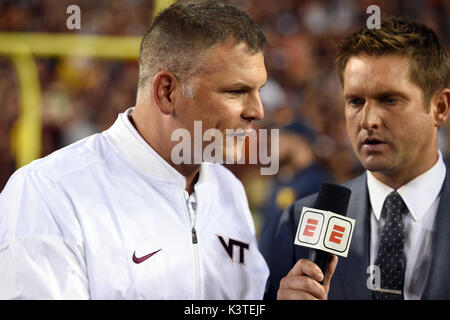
(416, 134)
(219, 112)
(351, 125)
(228, 117)
(191, 110)
(352, 133)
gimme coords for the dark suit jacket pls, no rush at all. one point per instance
(350, 278)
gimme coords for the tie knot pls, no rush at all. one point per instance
(394, 200)
(394, 196)
(394, 206)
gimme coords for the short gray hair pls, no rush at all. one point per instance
(180, 35)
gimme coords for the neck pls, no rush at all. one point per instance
(191, 173)
(154, 135)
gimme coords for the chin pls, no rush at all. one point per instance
(234, 156)
(375, 165)
(236, 153)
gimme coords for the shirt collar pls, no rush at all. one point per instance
(418, 194)
(142, 156)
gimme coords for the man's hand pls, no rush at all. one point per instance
(302, 282)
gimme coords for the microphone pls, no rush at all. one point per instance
(338, 228)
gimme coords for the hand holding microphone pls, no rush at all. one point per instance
(325, 230)
(303, 282)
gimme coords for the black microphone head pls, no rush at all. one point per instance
(334, 198)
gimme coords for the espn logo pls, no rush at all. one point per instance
(325, 230)
(337, 233)
(311, 224)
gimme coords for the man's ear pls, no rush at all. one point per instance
(164, 85)
(440, 106)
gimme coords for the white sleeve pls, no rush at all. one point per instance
(39, 259)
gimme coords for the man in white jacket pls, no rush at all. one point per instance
(114, 216)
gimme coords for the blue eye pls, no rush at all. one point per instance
(390, 100)
(356, 102)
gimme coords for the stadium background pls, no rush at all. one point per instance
(83, 95)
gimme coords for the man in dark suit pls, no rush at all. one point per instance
(396, 90)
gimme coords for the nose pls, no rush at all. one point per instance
(253, 108)
(370, 118)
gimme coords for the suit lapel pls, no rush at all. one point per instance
(438, 283)
(351, 271)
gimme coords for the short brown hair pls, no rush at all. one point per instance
(429, 63)
(180, 34)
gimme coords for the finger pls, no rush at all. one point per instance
(332, 264)
(303, 283)
(307, 267)
(300, 287)
(286, 294)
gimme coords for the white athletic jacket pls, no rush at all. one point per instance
(108, 218)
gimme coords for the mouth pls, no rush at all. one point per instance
(240, 133)
(372, 144)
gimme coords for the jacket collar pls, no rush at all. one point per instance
(142, 156)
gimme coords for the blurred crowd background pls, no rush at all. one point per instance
(303, 95)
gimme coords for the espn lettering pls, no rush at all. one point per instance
(311, 226)
(325, 230)
(337, 234)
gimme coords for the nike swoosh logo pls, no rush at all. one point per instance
(142, 259)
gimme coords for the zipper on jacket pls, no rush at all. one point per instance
(197, 280)
(194, 235)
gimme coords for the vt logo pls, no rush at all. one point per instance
(229, 248)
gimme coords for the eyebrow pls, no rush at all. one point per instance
(391, 93)
(351, 96)
(245, 87)
(378, 95)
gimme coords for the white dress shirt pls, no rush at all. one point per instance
(421, 197)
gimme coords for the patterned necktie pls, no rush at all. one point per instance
(390, 257)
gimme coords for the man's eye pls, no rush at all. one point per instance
(236, 92)
(389, 100)
(356, 102)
